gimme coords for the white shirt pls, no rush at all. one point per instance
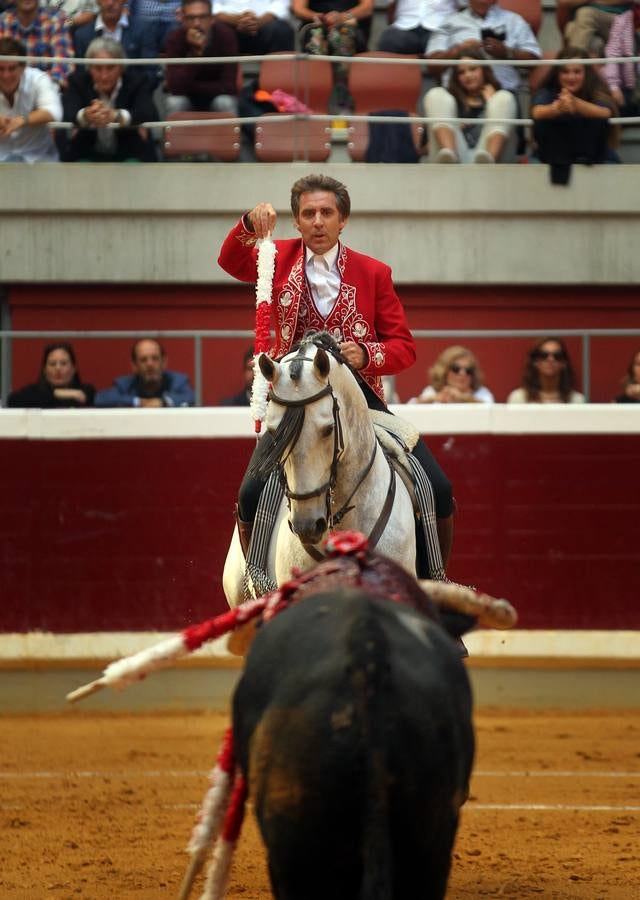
(277, 8)
(429, 14)
(32, 143)
(466, 25)
(324, 278)
(101, 29)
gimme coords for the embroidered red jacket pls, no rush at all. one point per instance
(367, 310)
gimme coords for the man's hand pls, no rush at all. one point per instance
(495, 48)
(354, 354)
(196, 38)
(98, 115)
(9, 124)
(151, 401)
(262, 219)
(248, 22)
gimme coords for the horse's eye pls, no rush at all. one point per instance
(327, 431)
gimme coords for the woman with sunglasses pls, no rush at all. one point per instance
(631, 382)
(455, 377)
(548, 376)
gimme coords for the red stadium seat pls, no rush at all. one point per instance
(217, 142)
(291, 141)
(359, 139)
(530, 10)
(380, 87)
(309, 80)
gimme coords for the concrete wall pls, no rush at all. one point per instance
(163, 223)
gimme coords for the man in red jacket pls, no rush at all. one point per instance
(321, 284)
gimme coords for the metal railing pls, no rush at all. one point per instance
(8, 336)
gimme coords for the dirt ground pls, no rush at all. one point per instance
(102, 807)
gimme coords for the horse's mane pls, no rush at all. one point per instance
(290, 426)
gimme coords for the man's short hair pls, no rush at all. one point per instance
(113, 49)
(189, 2)
(134, 349)
(321, 183)
(11, 47)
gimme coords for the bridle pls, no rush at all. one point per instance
(327, 487)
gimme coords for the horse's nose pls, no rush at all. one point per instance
(309, 530)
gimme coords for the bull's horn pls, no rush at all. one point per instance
(490, 612)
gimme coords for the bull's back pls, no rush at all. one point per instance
(353, 722)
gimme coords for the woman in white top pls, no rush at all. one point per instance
(548, 376)
(455, 377)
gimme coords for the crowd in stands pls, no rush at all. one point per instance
(455, 377)
(571, 109)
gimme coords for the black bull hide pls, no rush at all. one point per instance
(352, 724)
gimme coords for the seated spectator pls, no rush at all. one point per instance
(622, 78)
(261, 26)
(100, 95)
(333, 27)
(43, 31)
(58, 386)
(29, 100)
(589, 27)
(455, 377)
(243, 397)
(413, 23)
(631, 382)
(484, 25)
(76, 12)
(207, 87)
(472, 92)
(112, 21)
(571, 117)
(150, 384)
(548, 376)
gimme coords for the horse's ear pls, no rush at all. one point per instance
(322, 363)
(267, 367)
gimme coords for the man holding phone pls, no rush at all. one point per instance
(485, 25)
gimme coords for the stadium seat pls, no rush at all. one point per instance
(530, 10)
(384, 87)
(358, 139)
(217, 142)
(291, 141)
(310, 80)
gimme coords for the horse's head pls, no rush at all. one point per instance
(303, 419)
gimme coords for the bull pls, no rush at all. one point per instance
(353, 728)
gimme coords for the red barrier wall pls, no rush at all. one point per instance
(144, 307)
(126, 535)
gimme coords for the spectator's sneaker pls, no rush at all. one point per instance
(446, 156)
(483, 156)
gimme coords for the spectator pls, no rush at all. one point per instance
(101, 95)
(261, 26)
(207, 87)
(631, 382)
(76, 12)
(455, 377)
(571, 116)
(243, 397)
(622, 78)
(44, 32)
(334, 27)
(113, 22)
(484, 25)
(58, 386)
(413, 24)
(150, 384)
(548, 376)
(591, 23)
(473, 92)
(29, 100)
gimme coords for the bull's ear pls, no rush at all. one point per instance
(267, 367)
(322, 363)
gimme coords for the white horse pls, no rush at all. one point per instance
(335, 473)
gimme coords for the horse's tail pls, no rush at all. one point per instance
(368, 648)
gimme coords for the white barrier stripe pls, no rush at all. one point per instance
(301, 57)
(545, 773)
